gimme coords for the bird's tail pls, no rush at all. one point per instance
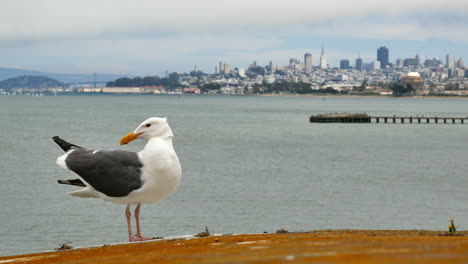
(85, 193)
(66, 146)
(76, 182)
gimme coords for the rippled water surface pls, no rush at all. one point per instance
(250, 164)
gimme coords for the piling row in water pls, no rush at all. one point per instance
(340, 118)
(365, 118)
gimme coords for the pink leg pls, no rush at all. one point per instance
(128, 214)
(137, 218)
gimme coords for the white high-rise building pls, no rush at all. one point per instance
(323, 60)
(224, 68)
(307, 62)
(227, 68)
(241, 72)
(450, 61)
(375, 65)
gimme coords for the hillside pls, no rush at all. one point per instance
(29, 82)
(6, 73)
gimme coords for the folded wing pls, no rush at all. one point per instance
(113, 173)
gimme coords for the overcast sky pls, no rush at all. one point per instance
(147, 37)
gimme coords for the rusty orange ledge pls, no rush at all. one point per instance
(330, 246)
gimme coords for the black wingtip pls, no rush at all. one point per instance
(66, 146)
(76, 182)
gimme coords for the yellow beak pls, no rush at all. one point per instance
(129, 138)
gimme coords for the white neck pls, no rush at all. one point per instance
(167, 132)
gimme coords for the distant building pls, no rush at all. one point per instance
(295, 64)
(224, 68)
(241, 72)
(432, 63)
(372, 66)
(399, 63)
(460, 73)
(192, 91)
(418, 60)
(410, 62)
(292, 63)
(368, 67)
(323, 60)
(221, 67)
(376, 65)
(344, 64)
(227, 68)
(460, 63)
(152, 89)
(269, 78)
(450, 61)
(121, 90)
(382, 57)
(415, 79)
(307, 62)
(359, 65)
(89, 90)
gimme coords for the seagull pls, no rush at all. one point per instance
(124, 177)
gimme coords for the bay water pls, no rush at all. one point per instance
(250, 164)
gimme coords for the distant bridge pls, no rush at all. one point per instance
(90, 82)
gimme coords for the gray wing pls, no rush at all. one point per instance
(113, 173)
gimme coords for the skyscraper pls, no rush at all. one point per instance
(227, 68)
(307, 62)
(399, 63)
(460, 63)
(344, 64)
(224, 67)
(418, 59)
(270, 65)
(221, 67)
(382, 56)
(359, 66)
(323, 60)
(450, 61)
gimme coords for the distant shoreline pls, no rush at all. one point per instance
(368, 96)
(464, 97)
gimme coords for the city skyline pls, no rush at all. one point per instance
(149, 37)
(381, 61)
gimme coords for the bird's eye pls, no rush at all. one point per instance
(147, 125)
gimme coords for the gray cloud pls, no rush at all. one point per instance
(61, 19)
(143, 36)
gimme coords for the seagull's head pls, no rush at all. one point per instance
(150, 128)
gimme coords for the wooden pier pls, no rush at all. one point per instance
(340, 118)
(327, 246)
(365, 118)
